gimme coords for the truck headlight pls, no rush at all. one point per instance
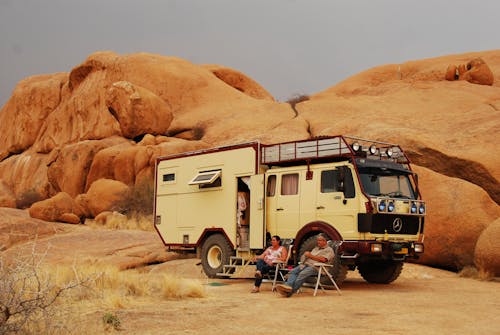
(421, 209)
(413, 208)
(419, 247)
(381, 206)
(390, 206)
(373, 149)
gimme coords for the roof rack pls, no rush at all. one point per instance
(331, 147)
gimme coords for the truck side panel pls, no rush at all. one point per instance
(185, 209)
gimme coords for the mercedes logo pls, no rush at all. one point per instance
(397, 224)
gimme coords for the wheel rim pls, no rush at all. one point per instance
(214, 257)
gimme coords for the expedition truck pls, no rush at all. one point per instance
(225, 204)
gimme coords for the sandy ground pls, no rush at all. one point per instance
(422, 301)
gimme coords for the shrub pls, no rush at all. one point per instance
(28, 198)
(28, 294)
(297, 98)
(111, 320)
(139, 200)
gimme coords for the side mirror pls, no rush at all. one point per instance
(417, 191)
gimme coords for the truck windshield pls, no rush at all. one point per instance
(386, 183)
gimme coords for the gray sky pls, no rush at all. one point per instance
(289, 47)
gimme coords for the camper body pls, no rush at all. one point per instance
(226, 203)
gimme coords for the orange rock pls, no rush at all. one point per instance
(239, 81)
(16, 226)
(106, 195)
(67, 125)
(7, 198)
(68, 172)
(475, 71)
(488, 250)
(451, 73)
(457, 214)
(138, 110)
(61, 207)
(32, 101)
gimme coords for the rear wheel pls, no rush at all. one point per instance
(215, 253)
(338, 271)
(380, 272)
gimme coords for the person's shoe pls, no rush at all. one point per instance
(255, 290)
(258, 274)
(284, 290)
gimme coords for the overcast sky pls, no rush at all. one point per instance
(289, 47)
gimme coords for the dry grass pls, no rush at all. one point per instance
(177, 288)
(115, 220)
(475, 273)
(100, 288)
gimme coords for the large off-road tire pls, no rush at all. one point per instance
(215, 253)
(383, 272)
(338, 271)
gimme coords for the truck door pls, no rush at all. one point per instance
(257, 231)
(336, 201)
(283, 203)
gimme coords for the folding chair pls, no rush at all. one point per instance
(323, 269)
(281, 268)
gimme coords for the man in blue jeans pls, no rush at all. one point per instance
(322, 254)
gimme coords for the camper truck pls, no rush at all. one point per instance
(225, 203)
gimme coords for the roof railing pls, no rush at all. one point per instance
(330, 147)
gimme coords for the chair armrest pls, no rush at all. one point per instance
(323, 264)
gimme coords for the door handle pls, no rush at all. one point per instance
(320, 207)
(279, 209)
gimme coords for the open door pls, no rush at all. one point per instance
(257, 224)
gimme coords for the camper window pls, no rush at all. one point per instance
(169, 177)
(205, 177)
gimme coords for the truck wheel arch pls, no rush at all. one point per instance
(314, 228)
(211, 231)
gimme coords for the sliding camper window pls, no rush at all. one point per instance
(206, 179)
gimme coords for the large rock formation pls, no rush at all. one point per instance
(475, 71)
(94, 133)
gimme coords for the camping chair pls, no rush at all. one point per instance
(323, 269)
(281, 266)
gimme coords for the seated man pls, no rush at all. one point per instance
(322, 253)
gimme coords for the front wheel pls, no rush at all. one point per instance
(383, 272)
(215, 253)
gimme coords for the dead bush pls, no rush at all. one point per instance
(29, 295)
(139, 201)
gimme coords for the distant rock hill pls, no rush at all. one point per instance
(74, 144)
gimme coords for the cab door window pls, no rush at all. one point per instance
(271, 186)
(290, 184)
(338, 180)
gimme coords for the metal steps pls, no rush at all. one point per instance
(238, 267)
